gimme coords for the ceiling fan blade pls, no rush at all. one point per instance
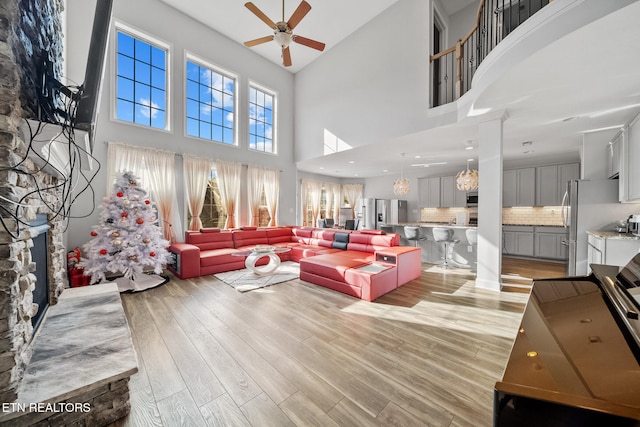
(256, 42)
(309, 43)
(286, 57)
(253, 8)
(300, 13)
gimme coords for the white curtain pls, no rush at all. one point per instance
(315, 192)
(272, 193)
(229, 179)
(156, 169)
(255, 185)
(352, 192)
(162, 181)
(196, 180)
(333, 201)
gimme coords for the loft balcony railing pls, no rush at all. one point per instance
(453, 69)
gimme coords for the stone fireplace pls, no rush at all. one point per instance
(29, 31)
(85, 328)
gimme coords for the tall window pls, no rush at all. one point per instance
(261, 118)
(141, 87)
(210, 103)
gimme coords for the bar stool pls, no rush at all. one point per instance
(444, 235)
(386, 228)
(472, 240)
(412, 234)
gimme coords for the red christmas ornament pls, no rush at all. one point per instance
(103, 251)
(119, 194)
(124, 214)
(152, 253)
(140, 220)
(148, 202)
(94, 234)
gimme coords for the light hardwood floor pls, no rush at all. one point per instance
(296, 354)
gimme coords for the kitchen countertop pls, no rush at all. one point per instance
(613, 235)
(432, 224)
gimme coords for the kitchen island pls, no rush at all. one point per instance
(463, 254)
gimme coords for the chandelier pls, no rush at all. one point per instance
(401, 186)
(467, 180)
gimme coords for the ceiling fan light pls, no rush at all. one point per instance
(282, 38)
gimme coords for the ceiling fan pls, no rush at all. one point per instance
(283, 31)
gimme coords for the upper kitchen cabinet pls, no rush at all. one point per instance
(551, 182)
(450, 196)
(429, 192)
(613, 156)
(519, 187)
(630, 175)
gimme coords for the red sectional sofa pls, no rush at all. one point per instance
(365, 264)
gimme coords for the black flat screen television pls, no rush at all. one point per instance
(89, 102)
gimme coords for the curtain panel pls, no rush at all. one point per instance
(272, 193)
(196, 181)
(255, 185)
(229, 178)
(155, 168)
(353, 193)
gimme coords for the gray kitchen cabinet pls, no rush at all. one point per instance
(429, 192)
(518, 187)
(518, 240)
(549, 243)
(450, 196)
(551, 182)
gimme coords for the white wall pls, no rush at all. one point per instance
(371, 87)
(461, 22)
(158, 20)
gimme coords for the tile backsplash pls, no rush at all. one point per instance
(545, 215)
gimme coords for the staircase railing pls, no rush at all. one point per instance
(453, 69)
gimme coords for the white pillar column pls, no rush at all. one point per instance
(490, 205)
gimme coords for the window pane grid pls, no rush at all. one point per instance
(260, 120)
(210, 104)
(141, 81)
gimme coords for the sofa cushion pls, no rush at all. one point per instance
(218, 256)
(279, 235)
(332, 266)
(248, 238)
(207, 241)
(370, 243)
(340, 241)
(209, 230)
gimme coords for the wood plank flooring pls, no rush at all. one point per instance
(296, 354)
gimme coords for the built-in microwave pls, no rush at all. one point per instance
(472, 199)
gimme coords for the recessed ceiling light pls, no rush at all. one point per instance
(470, 160)
(321, 167)
(527, 143)
(351, 161)
(470, 147)
(417, 157)
(385, 170)
(528, 152)
(355, 174)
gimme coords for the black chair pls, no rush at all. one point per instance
(329, 222)
(350, 224)
(386, 228)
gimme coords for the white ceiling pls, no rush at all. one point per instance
(583, 75)
(329, 21)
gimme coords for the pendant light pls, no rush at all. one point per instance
(467, 180)
(401, 186)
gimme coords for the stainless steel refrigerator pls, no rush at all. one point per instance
(377, 212)
(590, 205)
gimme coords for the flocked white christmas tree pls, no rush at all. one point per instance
(127, 240)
